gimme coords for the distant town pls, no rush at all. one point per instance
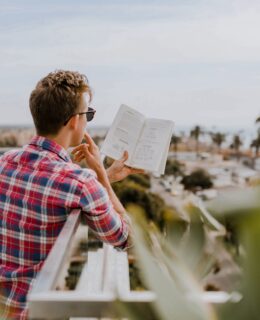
(223, 157)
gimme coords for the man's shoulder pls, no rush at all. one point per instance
(75, 172)
(52, 167)
(10, 154)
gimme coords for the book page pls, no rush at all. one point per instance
(164, 158)
(123, 133)
(152, 145)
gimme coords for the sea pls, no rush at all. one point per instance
(247, 134)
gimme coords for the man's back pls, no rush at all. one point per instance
(39, 186)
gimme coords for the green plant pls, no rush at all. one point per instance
(130, 192)
(141, 179)
(175, 168)
(176, 273)
(243, 207)
(198, 179)
(164, 272)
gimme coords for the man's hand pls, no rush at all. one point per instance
(90, 153)
(118, 170)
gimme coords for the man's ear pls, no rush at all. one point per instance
(73, 122)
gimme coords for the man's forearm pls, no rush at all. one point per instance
(104, 180)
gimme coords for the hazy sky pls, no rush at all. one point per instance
(196, 62)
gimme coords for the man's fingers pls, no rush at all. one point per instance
(80, 147)
(124, 156)
(82, 154)
(133, 170)
(79, 158)
(88, 139)
(79, 154)
(76, 149)
(139, 171)
(83, 151)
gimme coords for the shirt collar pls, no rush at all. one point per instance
(50, 145)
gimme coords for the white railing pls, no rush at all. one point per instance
(103, 281)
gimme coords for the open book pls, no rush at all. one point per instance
(146, 140)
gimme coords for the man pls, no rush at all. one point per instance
(40, 186)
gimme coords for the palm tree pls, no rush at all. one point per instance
(236, 144)
(255, 144)
(195, 133)
(175, 140)
(218, 138)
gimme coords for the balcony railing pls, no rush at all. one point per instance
(104, 279)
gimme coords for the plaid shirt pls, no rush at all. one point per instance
(39, 186)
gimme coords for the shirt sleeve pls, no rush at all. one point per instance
(108, 225)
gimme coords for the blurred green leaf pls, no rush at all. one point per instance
(167, 276)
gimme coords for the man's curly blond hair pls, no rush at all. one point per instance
(57, 97)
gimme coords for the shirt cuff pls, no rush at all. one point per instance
(129, 242)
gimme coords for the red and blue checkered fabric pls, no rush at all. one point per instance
(39, 187)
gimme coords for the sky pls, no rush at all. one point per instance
(195, 62)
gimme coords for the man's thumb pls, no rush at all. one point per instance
(125, 156)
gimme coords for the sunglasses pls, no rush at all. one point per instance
(89, 115)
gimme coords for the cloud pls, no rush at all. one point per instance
(162, 38)
(178, 55)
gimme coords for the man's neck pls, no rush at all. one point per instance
(62, 139)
